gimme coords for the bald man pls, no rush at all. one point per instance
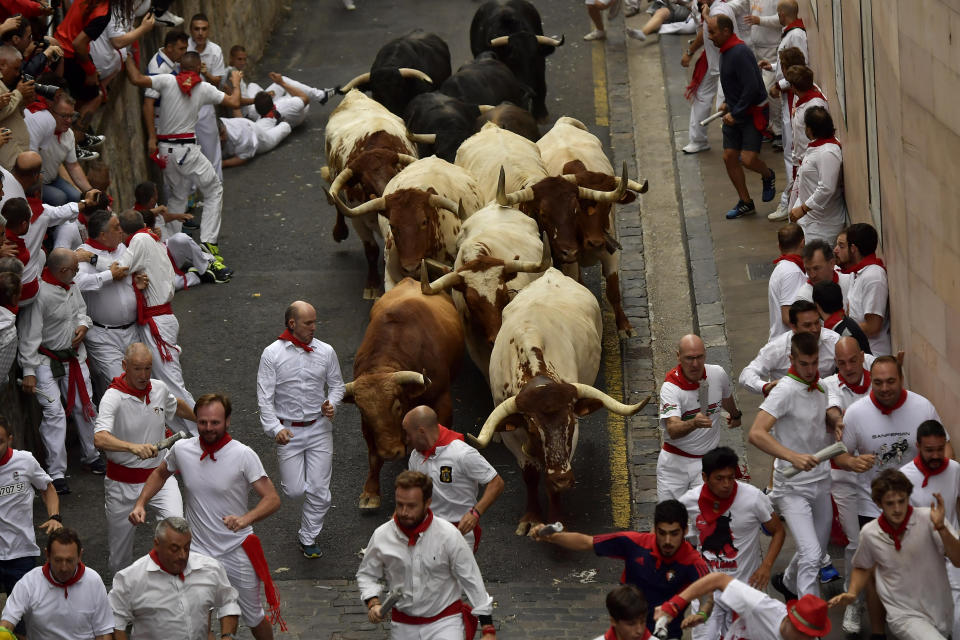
(457, 471)
(299, 388)
(133, 415)
(691, 428)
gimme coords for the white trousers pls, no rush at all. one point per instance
(187, 253)
(676, 475)
(809, 516)
(186, 166)
(916, 627)
(244, 579)
(105, 348)
(208, 135)
(119, 499)
(845, 494)
(53, 425)
(786, 136)
(270, 133)
(169, 372)
(953, 575)
(306, 463)
(449, 628)
(702, 106)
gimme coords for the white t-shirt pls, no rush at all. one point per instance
(801, 427)
(733, 545)
(946, 483)
(144, 253)
(212, 56)
(799, 128)
(241, 138)
(773, 360)
(891, 438)
(819, 185)
(84, 612)
(292, 109)
(676, 402)
(180, 111)
(215, 489)
(106, 57)
(843, 279)
(130, 419)
(759, 615)
(53, 149)
(785, 282)
(18, 478)
(868, 294)
(457, 470)
(841, 396)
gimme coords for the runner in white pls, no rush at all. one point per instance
(217, 473)
(689, 429)
(242, 139)
(868, 298)
(456, 469)
(212, 69)
(287, 98)
(787, 279)
(820, 264)
(299, 387)
(132, 417)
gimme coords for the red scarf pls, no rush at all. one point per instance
(811, 386)
(888, 410)
(836, 279)
(731, 42)
(796, 24)
(177, 270)
(156, 558)
(99, 245)
(23, 254)
(858, 389)
(866, 262)
(791, 257)
(924, 469)
(36, 207)
(834, 319)
(12, 308)
(611, 634)
(47, 277)
(140, 207)
(699, 73)
(63, 585)
(187, 80)
(807, 96)
(274, 114)
(711, 508)
(120, 384)
(895, 534)
(289, 337)
(6, 456)
(819, 142)
(39, 104)
(254, 550)
(210, 449)
(445, 437)
(675, 376)
(147, 231)
(414, 534)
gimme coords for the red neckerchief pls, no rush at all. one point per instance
(895, 534)
(47, 277)
(147, 231)
(675, 376)
(611, 634)
(712, 507)
(177, 270)
(866, 262)
(156, 558)
(836, 278)
(807, 96)
(819, 142)
(6, 456)
(274, 114)
(858, 389)
(99, 245)
(187, 80)
(63, 585)
(414, 534)
(731, 42)
(888, 410)
(791, 257)
(796, 24)
(23, 254)
(445, 437)
(40, 104)
(288, 336)
(924, 469)
(36, 208)
(210, 449)
(12, 308)
(140, 207)
(120, 384)
(811, 386)
(834, 319)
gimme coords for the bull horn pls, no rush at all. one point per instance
(606, 196)
(529, 266)
(633, 185)
(499, 41)
(348, 390)
(422, 138)
(553, 42)
(361, 79)
(371, 206)
(342, 178)
(505, 199)
(570, 177)
(408, 72)
(411, 377)
(485, 107)
(499, 413)
(439, 285)
(405, 159)
(586, 391)
(443, 203)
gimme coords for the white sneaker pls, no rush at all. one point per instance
(637, 34)
(169, 19)
(613, 9)
(851, 618)
(348, 5)
(696, 148)
(596, 34)
(780, 214)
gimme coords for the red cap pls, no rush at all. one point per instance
(809, 615)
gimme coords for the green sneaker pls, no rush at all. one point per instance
(211, 248)
(311, 551)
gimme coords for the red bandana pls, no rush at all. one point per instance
(866, 262)
(888, 410)
(156, 558)
(611, 634)
(274, 114)
(807, 96)
(36, 208)
(63, 585)
(40, 104)
(99, 245)
(731, 42)
(289, 337)
(675, 376)
(924, 469)
(711, 508)
(858, 389)
(12, 308)
(791, 257)
(414, 534)
(187, 80)
(834, 319)
(819, 142)
(148, 232)
(796, 24)
(446, 437)
(6, 456)
(210, 449)
(836, 279)
(47, 277)
(120, 384)
(811, 386)
(23, 254)
(895, 534)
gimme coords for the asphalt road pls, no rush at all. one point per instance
(277, 237)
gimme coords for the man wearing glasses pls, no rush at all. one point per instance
(52, 137)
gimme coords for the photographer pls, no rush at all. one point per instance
(37, 54)
(51, 136)
(12, 103)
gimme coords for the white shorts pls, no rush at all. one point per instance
(244, 579)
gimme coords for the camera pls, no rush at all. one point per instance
(48, 91)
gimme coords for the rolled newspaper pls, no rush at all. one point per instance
(660, 630)
(704, 397)
(709, 119)
(827, 453)
(392, 598)
(167, 442)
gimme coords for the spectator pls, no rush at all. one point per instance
(595, 9)
(819, 206)
(166, 60)
(238, 62)
(212, 70)
(52, 137)
(661, 12)
(12, 103)
(868, 296)
(787, 279)
(828, 296)
(37, 55)
(821, 266)
(9, 297)
(806, 96)
(628, 614)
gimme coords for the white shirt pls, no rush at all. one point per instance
(150, 256)
(785, 281)
(106, 57)
(11, 187)
(212, 56)
(160, 606)
(733, 547)
(946, 483)
(773, 360)
(18, 478)
(767, 33)
(180, 111)
(868, 294)
(159, 64)
(793, 38)
(718, 8)
(48, 615)
(241, 138)
(8, 342)
(292, 108)
(110, 302)
(913, 581)
(33, 238)
(799, 128)
(215, 490)
(433, 573)
(819, 185)
(679, 403)
(457, 471)
(51, 321)
(293, 384)
(843, 279)
(891, 438)
(759, 614)
(840, 395)
(54, 149)
(801, 427)
(132, 420)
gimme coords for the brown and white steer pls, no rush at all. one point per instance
(411, 350)
(570, 149)
(544, 363)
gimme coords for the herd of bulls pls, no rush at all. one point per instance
(489, 213)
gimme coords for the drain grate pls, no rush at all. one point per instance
(759, 270)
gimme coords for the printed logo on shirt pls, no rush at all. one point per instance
(711, 410)
(716, 542)
(893, 453)
(158, 410)
(446, 474)
(667, 407)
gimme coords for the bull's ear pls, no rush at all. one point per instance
(628, 197)
(584, 406)
(511, 423)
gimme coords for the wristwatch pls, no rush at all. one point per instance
(56, 517)
(93, 260)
